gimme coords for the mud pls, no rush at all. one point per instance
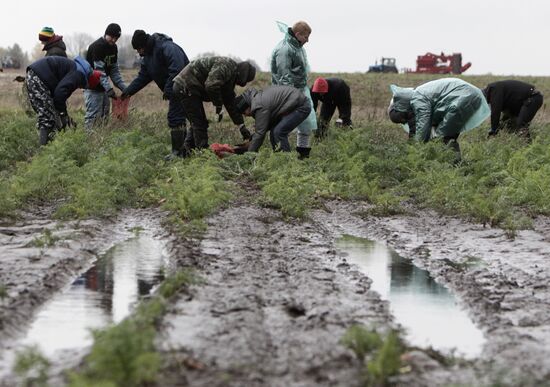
(502, 282)
(277, 296)
(275, 301)
(40, 256)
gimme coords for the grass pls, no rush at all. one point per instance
(380, 355)
(114, 169)
(47, 239)
(502, 181)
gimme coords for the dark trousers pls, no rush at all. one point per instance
(197, 136)
(527, 112)
(176, 113)
(279, 133)
(344, 112)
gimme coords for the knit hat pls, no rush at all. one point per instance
(113, 30)
(320, 85)
(46, 34)
(245, 73)
(139, 39)
(93, 79)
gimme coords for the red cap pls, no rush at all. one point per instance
(320, 86)
(93, 79)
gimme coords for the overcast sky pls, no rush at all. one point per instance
(501, 37)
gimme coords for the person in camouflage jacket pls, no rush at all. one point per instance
(211, 79)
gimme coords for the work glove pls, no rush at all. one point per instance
(165, 96)
(245, 133)
(111, 93)
(219, 113)
(124, 95)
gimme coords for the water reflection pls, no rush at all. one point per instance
(104, 294)
(425, 308)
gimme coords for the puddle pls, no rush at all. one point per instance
(104, 294)
(426, 309)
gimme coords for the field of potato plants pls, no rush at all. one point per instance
(375, 262)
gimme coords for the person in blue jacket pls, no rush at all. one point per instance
(162, 60)
(50, 82)
(443, 108)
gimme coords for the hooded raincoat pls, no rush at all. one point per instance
(449, 105)
(289, 66)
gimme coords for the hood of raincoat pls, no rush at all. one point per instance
(401, 100)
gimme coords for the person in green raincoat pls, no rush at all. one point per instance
(443, 108)
(289, 66)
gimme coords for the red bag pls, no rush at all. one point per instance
(120, 108)
(222, 150)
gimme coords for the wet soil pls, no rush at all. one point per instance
(39, 256)
(277, 296)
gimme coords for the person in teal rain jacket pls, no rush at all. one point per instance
(442, 108)
(289, 66)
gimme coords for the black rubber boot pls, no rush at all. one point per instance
(44, 136)
(178, 137)
(303, 153)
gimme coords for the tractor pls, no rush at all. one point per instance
(387, 65)
(430, 63)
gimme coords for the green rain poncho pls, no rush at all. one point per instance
(449, 105)
(289, 66)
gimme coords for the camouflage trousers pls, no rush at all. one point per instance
(41, 101)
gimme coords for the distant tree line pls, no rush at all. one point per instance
(77, 44)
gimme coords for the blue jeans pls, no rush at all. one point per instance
(280, 132)
(97, 107)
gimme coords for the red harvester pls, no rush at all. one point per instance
(440, 64)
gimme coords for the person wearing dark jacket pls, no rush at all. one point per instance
(50, 82)
(333, 93)
(53, 44)
(516, 101)
(102, 55)
(211, 79)
(277, 109)
(162, 61)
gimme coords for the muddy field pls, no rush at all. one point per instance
(277, 296)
